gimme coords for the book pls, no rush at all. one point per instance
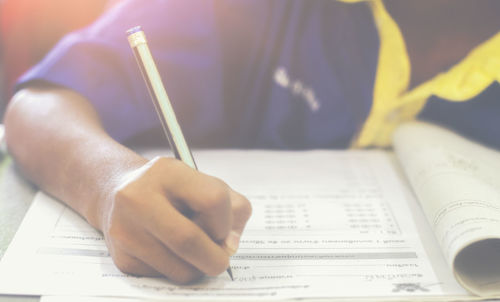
(457, 183)
(419, 223)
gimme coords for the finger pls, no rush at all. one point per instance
(137, 252)
(213, 212)
(182, 236)
(207, 196)
(131, 265)
(241, 210)
(117, 240)
(156, 255)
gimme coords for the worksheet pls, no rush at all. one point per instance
(325, 224)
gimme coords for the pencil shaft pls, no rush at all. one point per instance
(160, 99)
(161, 102)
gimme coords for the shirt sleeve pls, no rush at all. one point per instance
(97, 62)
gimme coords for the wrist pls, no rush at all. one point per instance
(114, 172)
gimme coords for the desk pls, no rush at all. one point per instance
(16, 195)
(19, 195)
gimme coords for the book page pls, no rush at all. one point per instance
(457, 182)
(325, 224)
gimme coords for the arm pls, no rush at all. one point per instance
(141, 207)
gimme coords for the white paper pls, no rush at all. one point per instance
(325, 224)
(457, 182)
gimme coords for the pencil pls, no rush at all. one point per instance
(163, 107)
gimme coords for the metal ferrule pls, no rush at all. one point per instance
(137, 38)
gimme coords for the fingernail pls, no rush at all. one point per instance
(232, 242)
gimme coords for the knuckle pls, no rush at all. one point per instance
(186, 240)
(243, 208)
(216, 198)
(125, 263)
(246, 208)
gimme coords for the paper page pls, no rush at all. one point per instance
(325, 224)
(458, 185)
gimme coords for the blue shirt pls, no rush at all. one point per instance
(274, 74)
(267, 74)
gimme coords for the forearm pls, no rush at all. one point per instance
(57, 140)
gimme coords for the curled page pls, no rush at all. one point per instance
(458, 186)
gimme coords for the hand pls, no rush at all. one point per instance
(167, 219)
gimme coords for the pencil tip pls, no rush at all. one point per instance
(230, 272)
